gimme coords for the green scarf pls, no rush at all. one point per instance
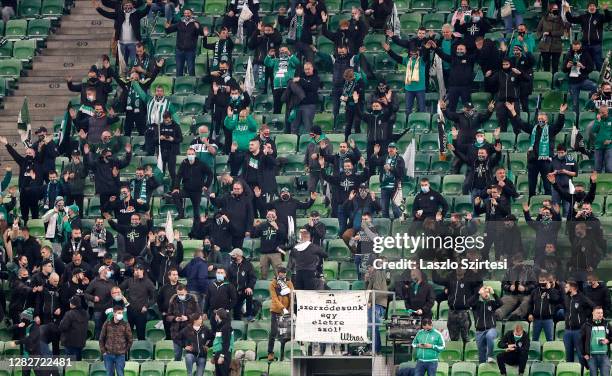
(388, 179)
(321, 137)
(133, 100)
(220, 53)
(544, 144)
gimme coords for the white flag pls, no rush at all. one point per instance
(169, 230)
(565, 7)
(397, 25)
(409, 158)
(571, 187)
(160, 163)
(249, 78)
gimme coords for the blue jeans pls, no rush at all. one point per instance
(574, 89)
(386, 197)
(420, 97)
(601, 363)
(509, 25)
(182, 58)
(485, 341)
(556, 199)
(422, 367)
(571, 340)
(596, 55)
(379, 315)
(603, 160)
(168, 10)
(128, 50)
(114, 363)
(178, 350)
(546, 325)
(200, 364)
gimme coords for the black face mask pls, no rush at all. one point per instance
(554, 12)
(543, 285)
(77, 239)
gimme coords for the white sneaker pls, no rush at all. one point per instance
(490, 360)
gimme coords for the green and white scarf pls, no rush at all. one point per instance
(544, 144)
(220, 52)
(388, 179)
(133, 100)
(156, 109)
(295, 28)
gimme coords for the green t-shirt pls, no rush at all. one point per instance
(598, 332)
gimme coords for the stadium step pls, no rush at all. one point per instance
(84, 36)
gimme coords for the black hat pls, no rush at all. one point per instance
(315, 213)
(316, 130)
(139, 266)
(76, 271)
(76, 152)
(76, 301)
(469, 105)
(107, 256)
(94, 69)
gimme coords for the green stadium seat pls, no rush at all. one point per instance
(6, 50)
(463, 204)
(553, 351)
(443, 310)
(348, 4)
(358, 285)
(452, 184)
(551, 100)
(453, 352)
(535, 350)
(91, 351)
(184, 85)
(52, 9)
(286, 143)
(77, 369)
(522, 142)
(164, 350)
(338, 250)
(165, 46)
(255, 368)
(24, 50)
(152, 367)
(330, 269)
(165, 82)
(297, 350)
(433, 21)
(16, 29)
(471, 352)
(339, 285)
(193, 104)
(542, 81)
(242, 345)
(568, 369)
(261, 290)
(428, 142)
(37, 227)
(29, 9)
(419, 121)
(39, 29)
(463, 369)
(295, 163)
(141, 350)
(411, 21)
(373, 42)
(258, 330)
(348, 271)
(280, 369)
(197, 6)
(325, 121)
(542, 369)
(97, 369)
(585, 119)
(176, 368)
(239, 327)
(497, 288)
(488, 369)
(560, 327)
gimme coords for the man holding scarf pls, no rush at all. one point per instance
(222, 48)
(318, 146)
(353, 83)
(283, 69)
(299, 26)
(541, 144)
(415, 77)
(392, 170)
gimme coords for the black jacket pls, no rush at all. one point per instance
(46, 156)
(309, 21)
(136, 236)
(239, 210)
(577, 310)
(176, 308)
(543, 303)
(305, 258)
(170, 147)
(461, 72)
(417, 298)
(592, 26)
(506, 83)
(102, 89)
(162, 262)
(484, 311)
(83, 247)
(73, 328)
(582, 57)
(140, 292)
(47, 301)
(343, 184)
(379, 126)
(216, 229)
(310, 85)
(220, 295)
(119, 17)
(467, 125)
(194, 176)
(553, 129)
(27, 164)
(430, 202)
(522, 345)
(105, 182)
(263, 176)
(163, 297)
(242, 275)
(587, 330)
(186, 34)
(600, 296)
(199, 340)
(286, 209)
(271, 238)
(262, 43)
(459, 290)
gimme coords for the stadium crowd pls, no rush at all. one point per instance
(69, 262)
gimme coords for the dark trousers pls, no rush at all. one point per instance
(238, 307)
(550, 62)
(77, 199)
(167, 327)
(169, 162)
(237, 241)
(135, 120)
(459, 323)
(304, 51)
(223, 369)
(352, 121)
(512, 358)
(305, 280)
(73, 352)
(503, 115)
(139, 320)
(185, 58)
(454, 93)
(542, 168)
(277, 101)
(104, 199)
(274, 333)
(29, 204)
(195, 197)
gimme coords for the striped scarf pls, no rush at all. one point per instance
(142, 195)
(156, 108)
(412, 71)
(543, 145)
(295, 28)
(220, 52)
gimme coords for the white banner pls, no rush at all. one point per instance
(332, 317)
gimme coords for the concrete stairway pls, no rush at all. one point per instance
(83, 37)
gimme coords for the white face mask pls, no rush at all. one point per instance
(299, 12)
(425, 189)
(118, 316)
(191, 158)
(480, 140)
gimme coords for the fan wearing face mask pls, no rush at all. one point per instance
(428, 203)
(602, 97)
(550, 30)
(547, 225)
(91, 90)
(299, 25)
(541, 144)
(506, 82)
(181, 308)
(264, 37)
(283, 65)
(592, 25)
(115, 342)
(126, 25)
(472, 26)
